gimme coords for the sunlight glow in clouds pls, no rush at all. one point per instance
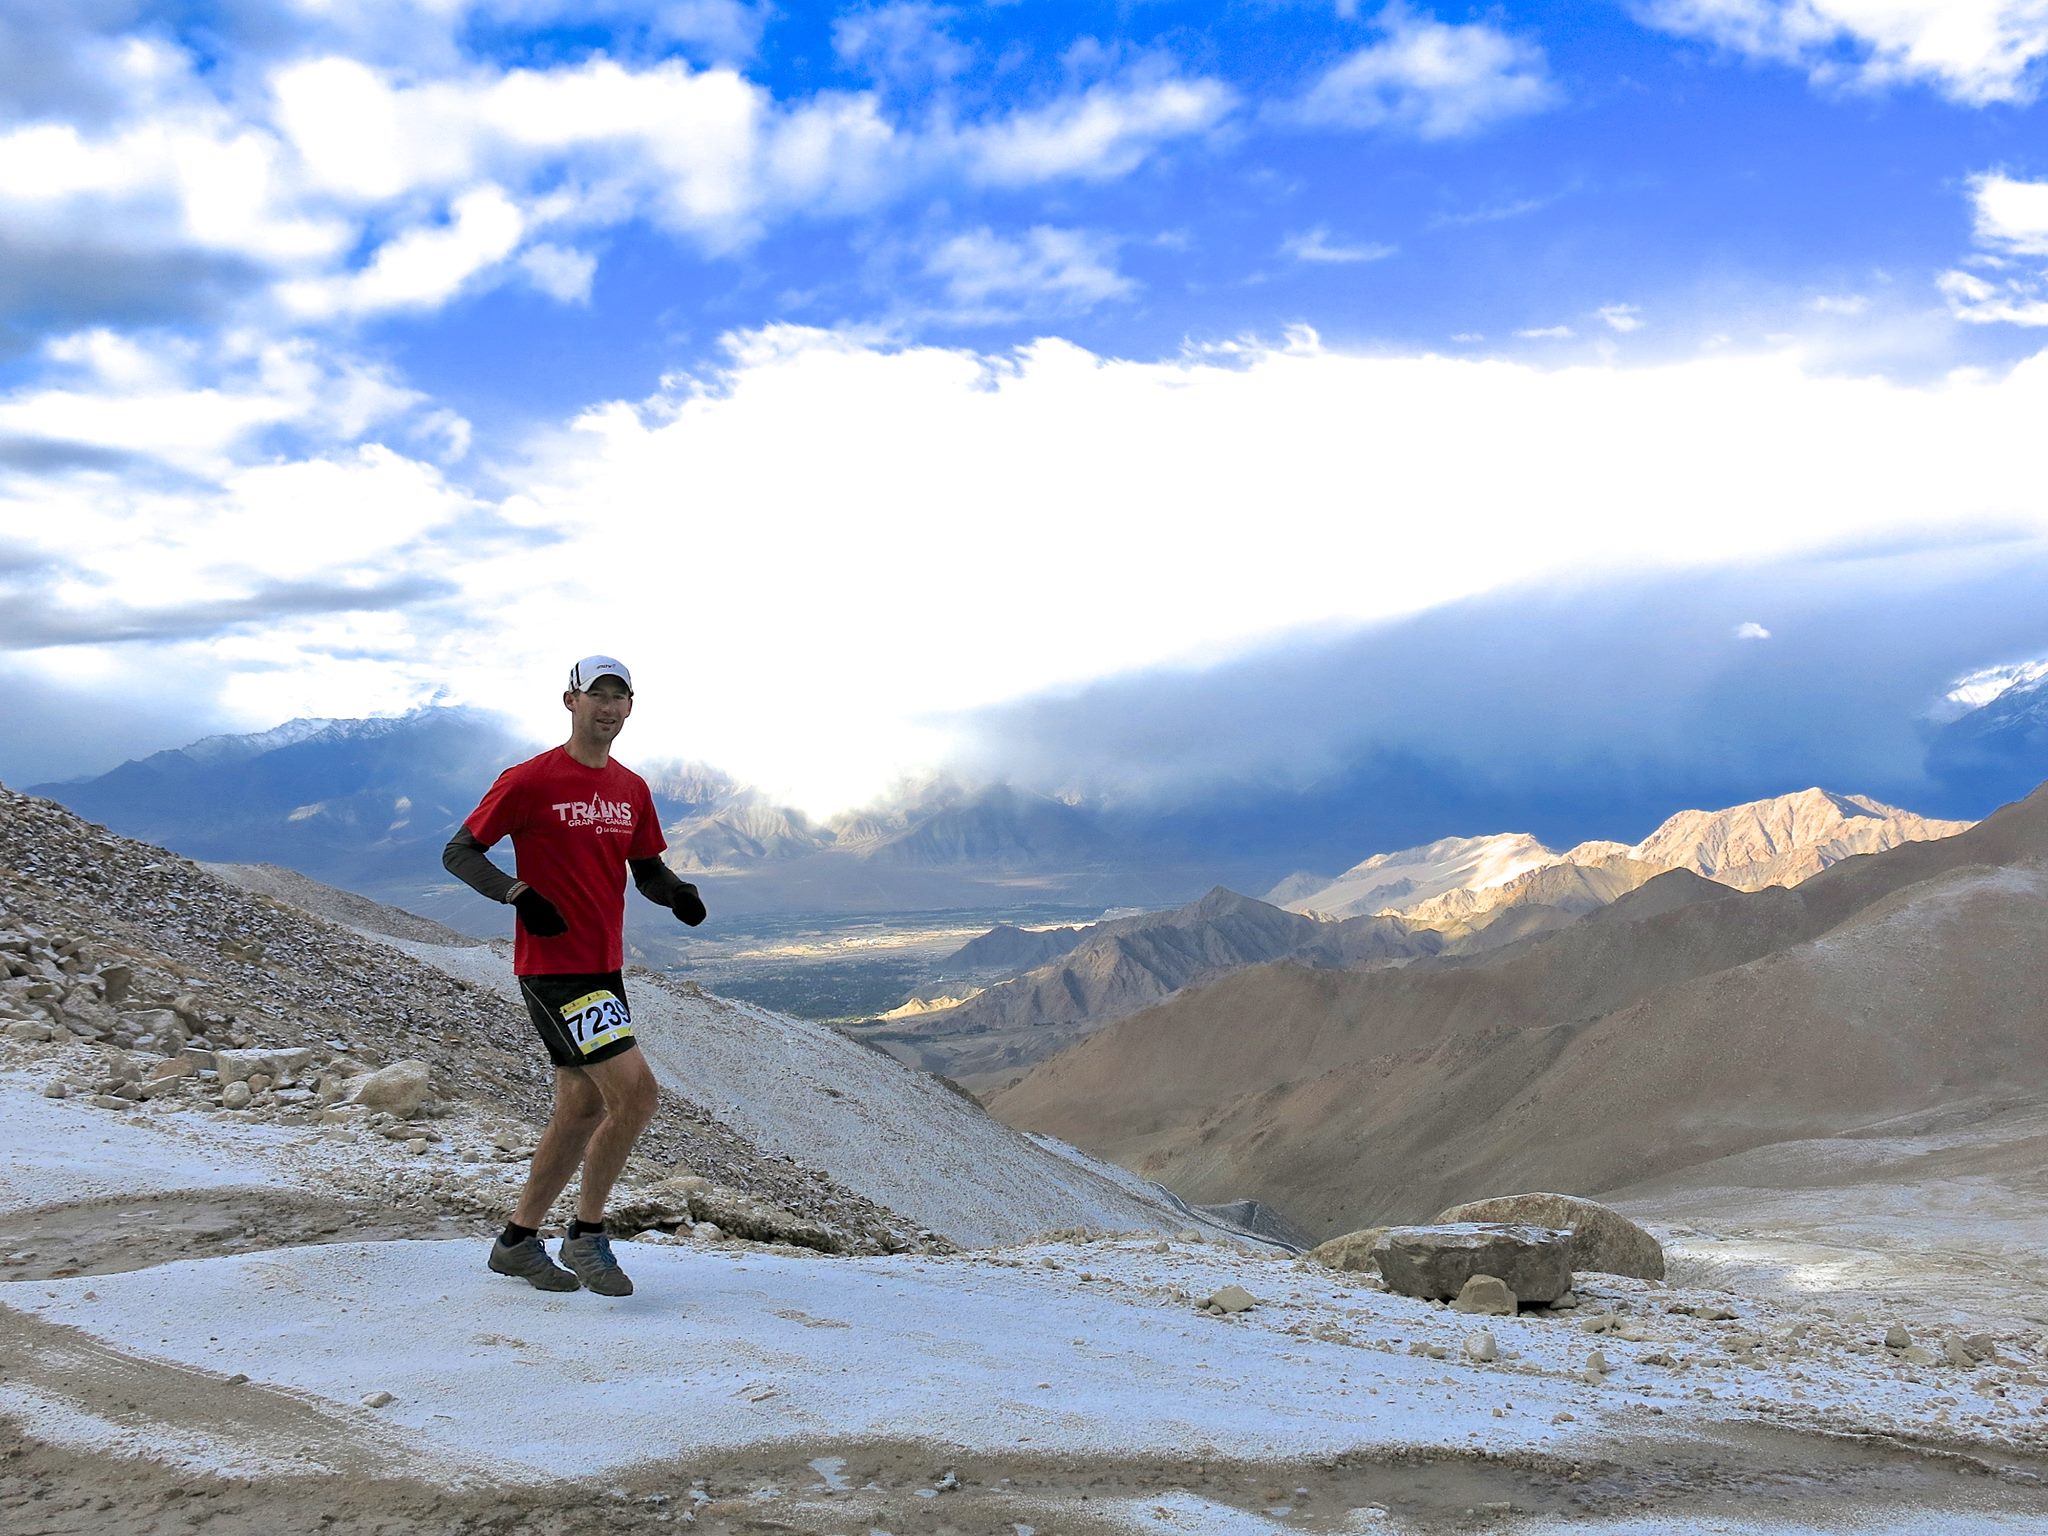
(965, 530)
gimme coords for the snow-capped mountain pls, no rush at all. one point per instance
(1395, 882)
(1461, 882)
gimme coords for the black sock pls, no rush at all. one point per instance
(578, 1227)
(515, 1233)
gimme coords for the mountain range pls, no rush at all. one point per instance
(1684, 1022)
(367, 803)
(981, 1024)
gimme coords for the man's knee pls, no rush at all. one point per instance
(628, 1086)
(577, 1100)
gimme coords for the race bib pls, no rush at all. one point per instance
(596, 1019)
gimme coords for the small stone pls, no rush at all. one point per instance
(1596, 1365)
(1568, 1302)
(1914, 1354)
(1481, 1347)
(56, 1090)
(378, 1399)
(235, 1096)
(1958, 1354)
(709, 1231)
(1896, 1337)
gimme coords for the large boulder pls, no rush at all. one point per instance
(1351, 1251)
(400, 1088)
(1602, 1239)
(1434, 1262)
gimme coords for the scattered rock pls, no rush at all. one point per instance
(1896, 1337)
(235, 1096)
(117, 979)
(1603, 1240)
(1488, 1296)
(399, 1089)
(378, 1399)
(1434, 1262)
(1230, 1300)
(238, 1066)
(1480, 1346)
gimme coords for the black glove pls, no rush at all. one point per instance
(537, 915)
(687, 904)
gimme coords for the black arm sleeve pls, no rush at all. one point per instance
(656, 881)
(466, 859)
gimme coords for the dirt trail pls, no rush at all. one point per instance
(115, 1235)
(1761, 1475)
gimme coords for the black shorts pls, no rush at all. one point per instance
(581, 1018)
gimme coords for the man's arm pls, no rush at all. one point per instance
(467, 860)
(662, 886)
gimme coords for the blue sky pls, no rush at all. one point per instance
(874, 377)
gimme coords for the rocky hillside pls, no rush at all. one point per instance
(159, 967)
(137, 978)
(1684, 1022)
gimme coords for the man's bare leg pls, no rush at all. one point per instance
(579, 1110)
(627, 1088)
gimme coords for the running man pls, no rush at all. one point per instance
(578, 820)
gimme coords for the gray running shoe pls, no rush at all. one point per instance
(591, 1257)
(528, 1260)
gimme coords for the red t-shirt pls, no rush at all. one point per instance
(573, 829)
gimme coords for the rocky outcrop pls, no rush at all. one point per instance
(1602, 1239)
(1436, 1262)
(1354, 1250)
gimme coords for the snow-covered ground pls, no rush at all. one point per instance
(1070, 1384)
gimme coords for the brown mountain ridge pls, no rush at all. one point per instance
(1685, 1022)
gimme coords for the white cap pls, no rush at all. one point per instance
(591, 668)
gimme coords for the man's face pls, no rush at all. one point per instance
(601, 709)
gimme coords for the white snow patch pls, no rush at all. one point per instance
(60, 1151)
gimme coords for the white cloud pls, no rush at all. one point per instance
(345, 187)
(1546, 333)
(422, 268)
(1314, 245)
(1621, 317)
(1121, 488)
(2011, 226)
(1751, 630)
(1431, 79)
(1974, 51)
(1113, 491)
(558, 272)
(1045, 268)
(727, 31)
(198, 409)
(1104, 132)
(903, 42)
(1845, 304)
(2011, 215)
